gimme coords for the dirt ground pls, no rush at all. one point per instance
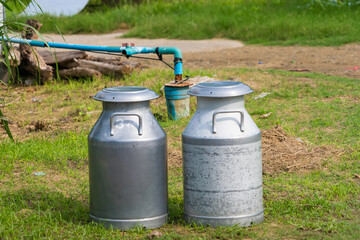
(338, 61)
(214, 53)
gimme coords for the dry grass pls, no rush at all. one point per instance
(283, 153)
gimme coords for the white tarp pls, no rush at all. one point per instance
(56, 7)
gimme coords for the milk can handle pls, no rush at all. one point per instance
(221, 112)
(140, 130)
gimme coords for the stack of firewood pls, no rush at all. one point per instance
(31, 64)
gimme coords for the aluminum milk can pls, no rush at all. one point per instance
(222, 158)
(128, 161)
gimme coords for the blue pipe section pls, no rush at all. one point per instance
(171, 50)
(64, 45)
(161, 50)
(178, 67)
(128, 51)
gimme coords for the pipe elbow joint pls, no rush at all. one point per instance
(177, 53)
(171, 50)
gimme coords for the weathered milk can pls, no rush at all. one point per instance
(128, 161)
(222, 158)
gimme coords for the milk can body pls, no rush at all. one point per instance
(222, 162)
(128, 161)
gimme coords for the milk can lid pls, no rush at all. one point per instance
(220, 89)
(125, 94)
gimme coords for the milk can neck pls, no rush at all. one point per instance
(126, 106)
(210, 103)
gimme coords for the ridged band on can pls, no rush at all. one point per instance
(220, 142)
(149, 223)
(242, 220)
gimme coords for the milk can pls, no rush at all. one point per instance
(222, 158)
(128, 161)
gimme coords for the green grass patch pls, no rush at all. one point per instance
(320, 204)
(273, 22)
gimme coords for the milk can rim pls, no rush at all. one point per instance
(220, 89)
(125, 94)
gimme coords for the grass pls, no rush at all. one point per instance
(273, 22)
(320, 204)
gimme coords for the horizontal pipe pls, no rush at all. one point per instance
(63, 45)
(160, 50)
(128, 51)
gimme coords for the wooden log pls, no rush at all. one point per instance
(105, 68)
(63, 59)
(32, 62)
(29, 32)
(14, 57)
(71, 63)
(79, 72)
(110, 60)
(132, 65)
(4, 72)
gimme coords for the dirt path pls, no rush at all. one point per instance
(114, 39)
(339, 61)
